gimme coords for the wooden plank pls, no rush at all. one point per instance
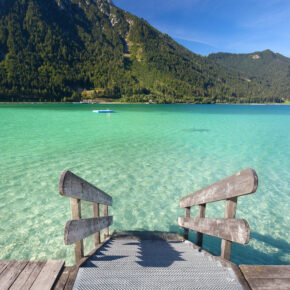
(76, 215)
(96, 211)
(201, 214)
(27, 276)
(235, 230)
(230, 212)
(71, 279)
(76, 230)
(269, 284)
(61, 282)
(73, 186)
(10, 274)
(267, 277)
(3, 265)
(48, 275)
(242, 183)
(106, 213)
(186, 231)
(268, 271)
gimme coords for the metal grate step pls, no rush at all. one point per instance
(151, 264)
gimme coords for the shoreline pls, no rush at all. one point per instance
(126, 103)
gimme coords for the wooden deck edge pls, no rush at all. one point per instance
(147, 235)
(66, 279)
(91, 253)
(267, 276)
(241, 278)
(68, 276)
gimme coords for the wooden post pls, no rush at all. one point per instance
(75, 205)
(96, 210)
(106, 230)
(230, 212)
(201, 214)
(187, 215)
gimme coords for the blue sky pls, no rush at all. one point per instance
(207, 26)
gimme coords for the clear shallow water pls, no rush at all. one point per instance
(146, 157)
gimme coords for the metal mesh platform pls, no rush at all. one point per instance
(153, 264)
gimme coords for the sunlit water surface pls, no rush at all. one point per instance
(146, 157)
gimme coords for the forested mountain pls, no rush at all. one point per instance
(271, 70)
(52, 50)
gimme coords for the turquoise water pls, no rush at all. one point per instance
(146, 157)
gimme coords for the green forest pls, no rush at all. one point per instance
(55, 50)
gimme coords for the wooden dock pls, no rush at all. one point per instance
(33, 275)
(150, 260)
(267, 277)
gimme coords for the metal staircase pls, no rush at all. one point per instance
(153, 264)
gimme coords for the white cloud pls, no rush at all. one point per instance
(268, 20)
(183, 34)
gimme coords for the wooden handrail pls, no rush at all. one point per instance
(73, 186)
(235, 230)
(241, 183)
(228, 229)
(77, 229)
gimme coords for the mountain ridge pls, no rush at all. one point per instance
(52, 50)
(266, 66)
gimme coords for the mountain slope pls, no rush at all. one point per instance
(51, 50)
(271, 69)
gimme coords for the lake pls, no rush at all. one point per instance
(146, 157)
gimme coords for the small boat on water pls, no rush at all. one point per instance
(103, 111)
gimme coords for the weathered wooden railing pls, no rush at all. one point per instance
(77, 229)
(228, 228)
